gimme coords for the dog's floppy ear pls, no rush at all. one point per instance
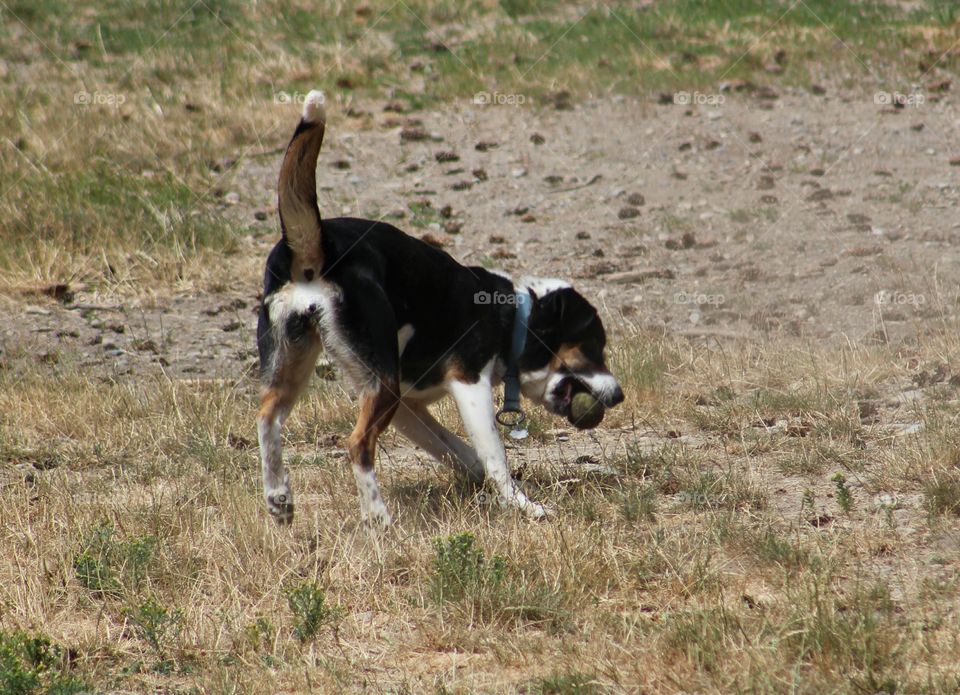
(578, 316)
(546, 318)
(565, 313)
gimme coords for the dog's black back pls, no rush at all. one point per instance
(389, 279)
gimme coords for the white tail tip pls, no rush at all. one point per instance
(313, 107)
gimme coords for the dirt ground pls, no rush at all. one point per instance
(825, 217)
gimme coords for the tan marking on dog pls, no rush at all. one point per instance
(297, 195)
(571, 357)
(376, 411)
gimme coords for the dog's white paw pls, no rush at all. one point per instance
(535, 510)
(376, 518)
(520, 502)
(280, 505)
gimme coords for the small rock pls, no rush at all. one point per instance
(518, 173)
(443, 157)
(446, 211)
(413, 135)
(340, 164)
(260, 215)
(537, 139)
(628, 212)
(583, 235)
(561, 100)
(754, 137)
(146, 345)
(636, 199)
(553, 179)
(687, 241)
(820, 195)
(480, 174)
(231, 198)
(432, 240)
(452, 227)
(485, 145)
(529, 217)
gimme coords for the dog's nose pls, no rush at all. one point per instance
(615, 397)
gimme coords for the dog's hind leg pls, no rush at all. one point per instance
(288, 353)
(415, 422)
(378, 404)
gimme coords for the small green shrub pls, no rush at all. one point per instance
(488, 590)
(844, 495)
(308, 603)
(158, 627)
(30, 665)
(107, 566)
(461, 570)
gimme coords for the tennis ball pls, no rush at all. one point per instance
(586, 412)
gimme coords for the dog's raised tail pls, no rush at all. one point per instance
(297, 190)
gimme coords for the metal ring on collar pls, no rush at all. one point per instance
(503, 417)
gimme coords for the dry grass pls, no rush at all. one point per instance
(707, 552)
(134, 535)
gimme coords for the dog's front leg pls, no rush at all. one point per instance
(475, 403)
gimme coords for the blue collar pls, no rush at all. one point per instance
(511, 380)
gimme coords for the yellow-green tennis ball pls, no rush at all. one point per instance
(586, 412)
